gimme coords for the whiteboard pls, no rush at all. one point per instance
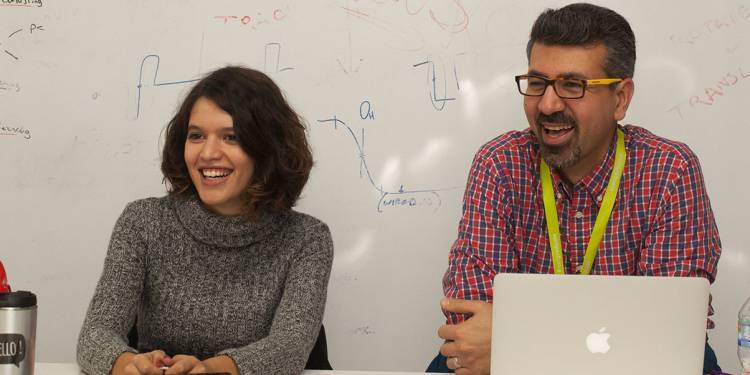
(398, 95)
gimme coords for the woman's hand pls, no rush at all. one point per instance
(185, 364)
(152, 363)
(141, 364)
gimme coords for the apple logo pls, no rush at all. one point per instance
(596, 342)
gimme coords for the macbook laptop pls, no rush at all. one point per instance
(614, 325)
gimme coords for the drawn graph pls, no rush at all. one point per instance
(14, 35)
(271, 64)
(401, 198)
(438, 91)
(272, 59)
(9, 53)
(155, 80)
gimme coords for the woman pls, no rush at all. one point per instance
(222, 275)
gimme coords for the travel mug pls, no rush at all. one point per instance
(17, 333)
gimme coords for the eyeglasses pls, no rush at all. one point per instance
(565, 88)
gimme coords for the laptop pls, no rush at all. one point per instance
(614, 325)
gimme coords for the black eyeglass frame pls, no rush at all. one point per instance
(585, 83)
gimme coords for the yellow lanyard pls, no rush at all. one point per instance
(550, 211)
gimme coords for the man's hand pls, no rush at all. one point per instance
(467, 344)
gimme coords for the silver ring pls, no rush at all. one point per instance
(456, 363)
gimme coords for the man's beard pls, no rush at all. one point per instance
(558, 157)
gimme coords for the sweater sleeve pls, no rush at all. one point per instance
(298, 317)
(112, 311)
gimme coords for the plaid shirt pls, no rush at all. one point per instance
(661, 224)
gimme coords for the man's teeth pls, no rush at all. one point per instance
(557, 127)
(216, 172)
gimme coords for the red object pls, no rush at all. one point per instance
(4, 286)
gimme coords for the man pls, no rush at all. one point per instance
(578, 87)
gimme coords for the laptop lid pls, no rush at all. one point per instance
(615, 325)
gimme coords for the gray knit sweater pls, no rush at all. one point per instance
(204, 285)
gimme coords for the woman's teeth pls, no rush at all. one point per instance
(215, 173)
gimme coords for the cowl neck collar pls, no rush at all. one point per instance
(222, 231)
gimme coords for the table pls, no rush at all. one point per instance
(72, 369)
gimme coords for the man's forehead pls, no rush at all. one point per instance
(568, 74)
(563, 61)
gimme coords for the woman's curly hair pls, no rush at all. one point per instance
(267, 128)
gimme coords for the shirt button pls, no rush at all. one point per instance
(559, 196)
(579, 215)
(578, 268)
(599, 198)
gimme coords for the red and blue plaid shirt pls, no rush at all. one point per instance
(661, 224)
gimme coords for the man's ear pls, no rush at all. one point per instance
(624, 93)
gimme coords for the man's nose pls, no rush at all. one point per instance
(550, 102)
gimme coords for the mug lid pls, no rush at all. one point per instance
(21, 298)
